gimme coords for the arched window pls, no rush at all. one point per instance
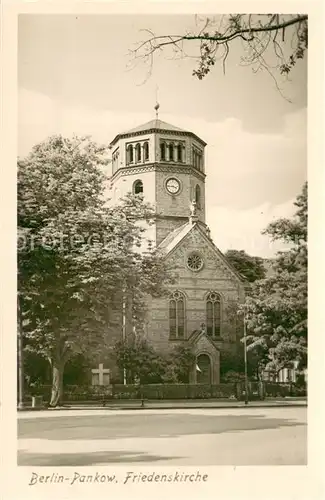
(194, 158)
(213, 312)
(198, 196)
(130, 153)
(162, 151)
(146, 151)
(179, 152)
(171, 152)
(138, 152)
(138, 187)
(177, 316)
(197, 159)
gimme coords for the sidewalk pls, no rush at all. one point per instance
(175, 404)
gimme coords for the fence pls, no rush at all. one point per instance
(257, 390)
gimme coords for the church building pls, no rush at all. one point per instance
(167, 166)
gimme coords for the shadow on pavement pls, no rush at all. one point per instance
(80, 459)
(146, 426)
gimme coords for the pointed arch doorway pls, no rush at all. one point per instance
(203, 369)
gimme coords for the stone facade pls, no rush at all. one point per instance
(180, 238)
(214, 276)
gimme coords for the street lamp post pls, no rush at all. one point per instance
(245, 362)
(20, 361)
(124, 333)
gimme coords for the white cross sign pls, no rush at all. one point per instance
(101, 371)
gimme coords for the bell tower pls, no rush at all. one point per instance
(166, 165)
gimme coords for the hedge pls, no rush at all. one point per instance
(72, 392)
(173, 391)
(169, 391)
(150, 391)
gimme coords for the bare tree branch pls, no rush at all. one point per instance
(226, 38)
(225, 57)
(259, 38)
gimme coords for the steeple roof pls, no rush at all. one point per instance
(155, 125)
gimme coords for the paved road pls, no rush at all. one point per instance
(249, 436)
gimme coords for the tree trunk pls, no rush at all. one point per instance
(57, 383)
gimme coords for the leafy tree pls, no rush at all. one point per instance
(76, 255)
(181, 360)
(232, 376)
(36, 370)
(276, 311)
(264, 38)
(232, 365)
(77, 370)
(141, 361)
(251, 268)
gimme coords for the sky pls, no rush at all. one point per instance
(77, 76)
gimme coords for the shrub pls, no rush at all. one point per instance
(120, 391)
(277, 389)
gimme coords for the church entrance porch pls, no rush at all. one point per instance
(203, 369)
(206, 367)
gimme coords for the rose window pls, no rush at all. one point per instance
(195, 261)
(177, 296)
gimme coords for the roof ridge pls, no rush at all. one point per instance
(224, 258)
(169, 238)
(197, 334)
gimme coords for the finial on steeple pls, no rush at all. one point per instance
(157, 106)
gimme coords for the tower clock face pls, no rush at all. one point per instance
(173, 186)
